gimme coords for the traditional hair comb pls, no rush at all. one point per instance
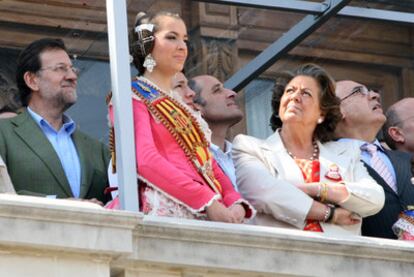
(147, 26)
(141, 39)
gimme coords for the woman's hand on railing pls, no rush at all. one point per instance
(238, 212)
(218, 212)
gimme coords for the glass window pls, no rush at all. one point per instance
(258, 97)
(90, 111)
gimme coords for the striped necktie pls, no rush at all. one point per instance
(379, 165)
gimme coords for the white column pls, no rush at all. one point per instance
(122, 103)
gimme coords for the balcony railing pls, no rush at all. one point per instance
(45, 237)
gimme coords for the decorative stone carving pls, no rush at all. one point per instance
(217, 57)
(213, 48)
(220, 58)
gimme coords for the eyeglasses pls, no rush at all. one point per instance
(62, 69)
(363, 90)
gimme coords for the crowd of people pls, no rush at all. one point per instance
(322, 170)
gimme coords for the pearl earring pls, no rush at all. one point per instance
(320, 120)
(149, 63)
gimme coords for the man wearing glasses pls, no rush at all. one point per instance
(399, 128)
(45, 153)
(362, 118)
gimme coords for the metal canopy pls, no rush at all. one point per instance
(317, 8)
(376, 14)
(319, 13)
(285, 43)
(287, 5)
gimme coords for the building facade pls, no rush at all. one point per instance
(223, 38)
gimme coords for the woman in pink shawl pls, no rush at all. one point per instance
(178, 176)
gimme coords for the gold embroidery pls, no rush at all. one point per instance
(185, 130)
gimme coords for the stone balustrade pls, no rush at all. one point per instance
(46, 237)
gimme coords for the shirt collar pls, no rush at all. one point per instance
(227, 145)
(378, 144)
(362, 142)
(68, 124)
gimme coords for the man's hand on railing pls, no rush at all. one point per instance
(92, 200)
(344, 217)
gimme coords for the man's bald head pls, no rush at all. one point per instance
(344, 87)
(398, 129)
(402, 107)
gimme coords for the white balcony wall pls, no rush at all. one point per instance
(45, 237)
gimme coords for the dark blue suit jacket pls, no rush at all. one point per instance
(379, 225)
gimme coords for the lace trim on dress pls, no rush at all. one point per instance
(197, 212)
(249, 206)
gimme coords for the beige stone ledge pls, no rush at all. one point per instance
(64, 225)
(195, 248)
(45, 237)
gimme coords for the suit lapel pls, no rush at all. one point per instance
(336, 151)
(86, 171)
(378, 178)
(402, 171)
(281, 161)
(35, 139)
(324, 162)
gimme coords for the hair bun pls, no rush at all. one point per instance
(141, 39)
(140, 18)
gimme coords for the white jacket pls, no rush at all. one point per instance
(267, 177)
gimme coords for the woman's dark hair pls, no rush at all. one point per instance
(328, 102)
(141, 43)
(29, 61)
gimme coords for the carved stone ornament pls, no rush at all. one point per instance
(220, 58)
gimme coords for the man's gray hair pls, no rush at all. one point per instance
(198, 99)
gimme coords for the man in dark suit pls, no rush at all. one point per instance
(362, 118)
(45, 153)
